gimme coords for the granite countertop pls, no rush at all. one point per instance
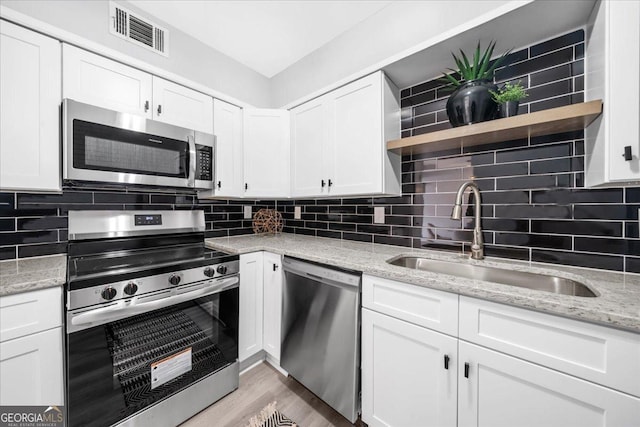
(31, 274)
(617, 304)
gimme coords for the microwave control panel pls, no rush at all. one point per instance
(204, 157)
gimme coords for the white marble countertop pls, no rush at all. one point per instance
(30, 274)
(617, 304)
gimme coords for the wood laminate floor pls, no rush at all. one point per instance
(260, 386)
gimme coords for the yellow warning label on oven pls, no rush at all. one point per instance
(170, 367)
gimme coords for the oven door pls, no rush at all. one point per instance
(107, 146)
(117, 368)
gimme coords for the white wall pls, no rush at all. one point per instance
(188, 57)
(394, 29)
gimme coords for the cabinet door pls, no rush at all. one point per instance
(356, 147)
(504, 391)
(309, 137)
(31, 369)
(227, 126)
(266, 153)
(404, 379)
(251, 288)
(623, 103)
(29, 110)
(272, 303)
(181, 106)
(96, 80)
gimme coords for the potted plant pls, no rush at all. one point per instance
(471, 101)
(508, 98)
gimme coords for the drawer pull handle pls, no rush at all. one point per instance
(466, 370)
(446, 361)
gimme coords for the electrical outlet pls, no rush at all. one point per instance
(247, 212)
(297, 212)
(378, 215)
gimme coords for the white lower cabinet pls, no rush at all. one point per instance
(502, 391)
(31, 369)
(548, 371)
(251, 303)
(273, 278)
(409, 374)
(31, 348)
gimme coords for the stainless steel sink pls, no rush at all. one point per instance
(522, 279)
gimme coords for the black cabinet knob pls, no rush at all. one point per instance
(466, 370)
(628, 156)
(446, 361)
(108, 293)
(322, 183)
(159, 109)
(209, 272)
(219, 184)
(174, 279)
(275, 267)
(330, 183)
(131, 288)
(222, 269)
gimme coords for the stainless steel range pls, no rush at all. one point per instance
(151, 321)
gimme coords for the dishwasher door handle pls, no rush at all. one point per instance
(321, 279)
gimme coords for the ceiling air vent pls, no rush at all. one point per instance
(125, 24)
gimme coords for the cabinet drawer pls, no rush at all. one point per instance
(430, 308)
(30, 312)
(596, 353)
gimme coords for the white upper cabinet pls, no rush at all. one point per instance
(339, 141)
(181, 106)
(30, 97)
(227, 126)
(266, 153)
(96, 80)
(99, 81)
(613, 75)
(309, 142)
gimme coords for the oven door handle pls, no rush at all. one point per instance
(126, 309)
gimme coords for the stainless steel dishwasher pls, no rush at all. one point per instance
(321, 332)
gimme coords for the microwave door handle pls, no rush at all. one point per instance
(121, 309)
(191, 161)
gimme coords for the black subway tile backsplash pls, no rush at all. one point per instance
(535, 206)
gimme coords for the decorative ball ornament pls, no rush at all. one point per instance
(267, 221)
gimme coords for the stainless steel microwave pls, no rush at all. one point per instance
(102, 145)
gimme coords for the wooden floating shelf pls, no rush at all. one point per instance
(546, 122)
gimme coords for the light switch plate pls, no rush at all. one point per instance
(247, 212)
(378, 214)
(297, 212)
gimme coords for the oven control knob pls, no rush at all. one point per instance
(174, 279)
(131, 288)
(209, 272)
(108, 293)
(222, 269)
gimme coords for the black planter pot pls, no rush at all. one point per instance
(471, 103)
(509, 109)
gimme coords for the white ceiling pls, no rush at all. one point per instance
(266, 36)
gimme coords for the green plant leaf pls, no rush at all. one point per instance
(449, 78)
(476, 58)
(468, 71)
(460, 66)
(497, 62)
(486, 58)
